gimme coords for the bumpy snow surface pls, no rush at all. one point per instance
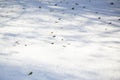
(59, 39)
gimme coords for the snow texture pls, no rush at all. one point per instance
(59, 39)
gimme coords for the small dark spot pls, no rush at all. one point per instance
(30, 73)
(99, 17)
(64, 46)
(111, 3)
(62, 39)
(51, 32)
(23, 8)
(83, 7)
(72, 8)
(54, 36)
(76, 4)
(109, 23)
(56, 22)
(17, 42)
(96, 12)
(119, 19)
(55, 4)
(39, 6)
(59, 18)
(52, 43)
(25, 44)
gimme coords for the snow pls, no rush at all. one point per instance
(59, 40)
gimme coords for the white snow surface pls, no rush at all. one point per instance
(60, 39)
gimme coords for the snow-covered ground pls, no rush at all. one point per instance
(60, 39)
